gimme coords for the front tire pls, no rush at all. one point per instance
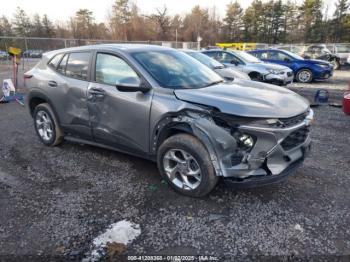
(46, 125)
(185, 164)
(304, 76)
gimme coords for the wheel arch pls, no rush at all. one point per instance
(254, 73)
(35, 98)
(169, 130)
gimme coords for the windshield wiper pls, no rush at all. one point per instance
(214, 83)
(218, 67)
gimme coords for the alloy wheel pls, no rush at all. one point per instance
(182, 169)
(44, 125)
(304, 76)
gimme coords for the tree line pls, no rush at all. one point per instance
(275, 21)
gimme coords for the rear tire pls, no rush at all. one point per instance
(185, 164)
(304, 76)
(46, 125)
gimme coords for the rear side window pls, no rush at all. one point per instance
(78, 65)
(55, 60)
(62, 66)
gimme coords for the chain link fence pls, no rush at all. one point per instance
(47, 44)
(33, 47)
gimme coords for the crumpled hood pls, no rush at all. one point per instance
(247, 98)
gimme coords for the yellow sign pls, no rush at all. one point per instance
(238, 46)
(14, 50)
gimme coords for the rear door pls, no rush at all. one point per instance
(118, 119)
(67, 88)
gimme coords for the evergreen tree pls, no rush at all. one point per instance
(233, 24)
(5, 27)
(342, 6)
(37, 27)
(120, 19)
(21, 23)
(311, 11)
(48, 28)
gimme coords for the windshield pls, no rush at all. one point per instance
(174, 69)
(206, 60)
(248, 58)
(295, 56)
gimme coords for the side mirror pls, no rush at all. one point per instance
(131, 84)
(234, 62)
(287, 59)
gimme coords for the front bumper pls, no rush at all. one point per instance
(273, 156)
(283, 78)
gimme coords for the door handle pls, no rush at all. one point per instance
(96, 92)
(53, 83)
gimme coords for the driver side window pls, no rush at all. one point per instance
(227, 58)
(278, 56)
(111, 69)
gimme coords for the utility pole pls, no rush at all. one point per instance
(176, 37)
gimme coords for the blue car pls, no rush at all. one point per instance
(305, 70)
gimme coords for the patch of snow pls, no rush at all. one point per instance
(123, 232)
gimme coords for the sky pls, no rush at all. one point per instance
(63, 9)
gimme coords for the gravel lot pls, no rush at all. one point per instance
(55, 201)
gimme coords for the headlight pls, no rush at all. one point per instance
(244, 141)
(275, 72)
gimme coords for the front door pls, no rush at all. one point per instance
(118, 119)
(230, 60)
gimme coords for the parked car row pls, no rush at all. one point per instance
(305, 70)
(33, 53)
(338, 56)
(256, 69)
(275, 66)
(30, 53)
(174, 108)
(4, 55)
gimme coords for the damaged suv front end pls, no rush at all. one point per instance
(266, 149)
(253, 144)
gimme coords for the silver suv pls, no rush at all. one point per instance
(254, 67)
(163, 105)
